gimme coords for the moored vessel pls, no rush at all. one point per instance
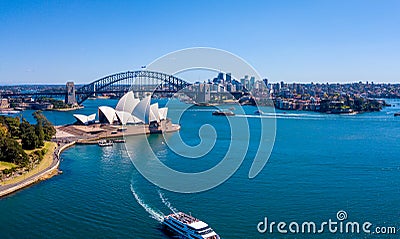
(105, 143)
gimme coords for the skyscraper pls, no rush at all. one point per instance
(228, 77)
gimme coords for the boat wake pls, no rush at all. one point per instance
(285, 116)
(153, 213)
(167, 203)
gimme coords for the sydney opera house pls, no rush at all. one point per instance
(129, 110)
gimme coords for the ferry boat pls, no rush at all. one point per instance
(105, 143)
(223, 113)
(187, 226)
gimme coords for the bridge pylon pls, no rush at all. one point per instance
(70, 96)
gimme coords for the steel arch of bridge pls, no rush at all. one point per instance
(172, 83)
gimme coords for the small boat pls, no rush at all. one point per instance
(258, 112)
(105, 143)
(223, 113)
(397, 114)
(119, 141)
(187, 226)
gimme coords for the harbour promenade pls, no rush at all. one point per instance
(48, 172)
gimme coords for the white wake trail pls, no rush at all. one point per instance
(166, 202)
(153, 213)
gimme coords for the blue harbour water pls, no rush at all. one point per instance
(320, 164)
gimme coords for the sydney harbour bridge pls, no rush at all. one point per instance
(118, 84)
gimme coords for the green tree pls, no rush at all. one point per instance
(24, 127)
(11, 151)
(29, 139)
(13, 126)
(48, 128)
(40, 134)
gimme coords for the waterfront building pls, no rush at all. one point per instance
(265, 80)
(228, 77)
(85, 119)
(106, 114)
(4, 104)
(127, 103)
(251, 83)
(130, 110)
(229, 87)
(126, 118)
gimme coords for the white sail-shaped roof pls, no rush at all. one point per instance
(153, 113)
(85, 119)
(81, 118)
(163, 113)
(127, 103)
(126, 118)
(123, 116)
(141, 110)
(130, 111)
(91, 117)
(134, 120)
(106, 114)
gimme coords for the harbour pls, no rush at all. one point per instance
(106, 178)
(206, 120)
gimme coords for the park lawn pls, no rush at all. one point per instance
(6, 165)
(46, 161)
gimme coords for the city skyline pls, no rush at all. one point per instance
(307, 41)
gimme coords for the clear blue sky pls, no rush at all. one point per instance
(293, 41)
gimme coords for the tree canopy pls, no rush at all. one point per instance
(11, 151)
(31, 136)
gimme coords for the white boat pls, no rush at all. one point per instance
(105, 143)
(187, 226)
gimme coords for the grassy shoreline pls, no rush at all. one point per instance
(44, 163)
(6, 165)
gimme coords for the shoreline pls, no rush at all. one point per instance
(63, 144)
(67, 109)
(47, 173)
